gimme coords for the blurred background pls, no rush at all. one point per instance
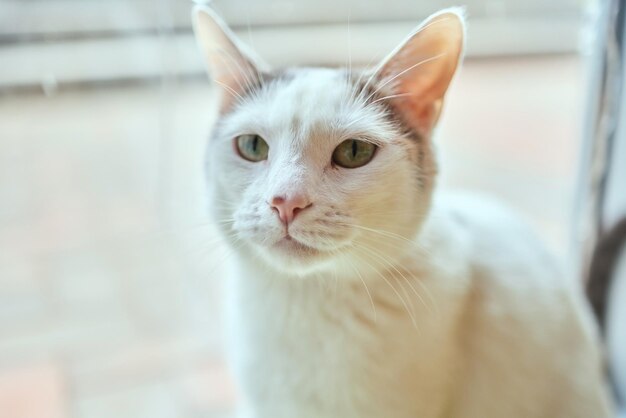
(109, 272)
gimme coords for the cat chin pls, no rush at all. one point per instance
(297, 259)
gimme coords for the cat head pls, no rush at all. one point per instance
(320, 169)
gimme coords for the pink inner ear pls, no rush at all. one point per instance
(230, 68)
(420, 117)
(420, 71)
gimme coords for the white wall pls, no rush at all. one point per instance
(46, 42)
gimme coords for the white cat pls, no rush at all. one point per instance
(356, 292)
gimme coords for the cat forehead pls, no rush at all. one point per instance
(306, 97)
(309, 89)
(311, 100)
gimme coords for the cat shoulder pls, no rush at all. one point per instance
(502, 251)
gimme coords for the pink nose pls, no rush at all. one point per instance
(288, 207)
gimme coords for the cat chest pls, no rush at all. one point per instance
(332, 353)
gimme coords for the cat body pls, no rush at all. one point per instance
(357, 290)
(497, 332)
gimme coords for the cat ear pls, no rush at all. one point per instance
(228, 63)
(418, 72)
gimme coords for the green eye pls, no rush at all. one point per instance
(353, 153)
(252, 147)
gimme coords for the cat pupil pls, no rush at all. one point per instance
(254, 143)
(354, 146)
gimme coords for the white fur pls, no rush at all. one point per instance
(497, 334)
(405, 304)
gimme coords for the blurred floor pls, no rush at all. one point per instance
(108, 275)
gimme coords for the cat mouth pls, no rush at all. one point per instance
(292, 246)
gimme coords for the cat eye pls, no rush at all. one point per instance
(252, 147)
(353, 153)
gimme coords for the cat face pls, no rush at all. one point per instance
(317, 169)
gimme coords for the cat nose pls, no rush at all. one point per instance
(287, 207)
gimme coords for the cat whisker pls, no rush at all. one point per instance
(215, 259)
(249, 27)
(248, 78)
(391, 96)
(224, 258)
(349, 43)
(369, 295)
(213, 245)
(357, 120)
(389, 80)
(380, 66)
(403, 247)
(381, 232)
(177, 230)
(386, 241)
(412, 317)
(393, 266)
(230, 90)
